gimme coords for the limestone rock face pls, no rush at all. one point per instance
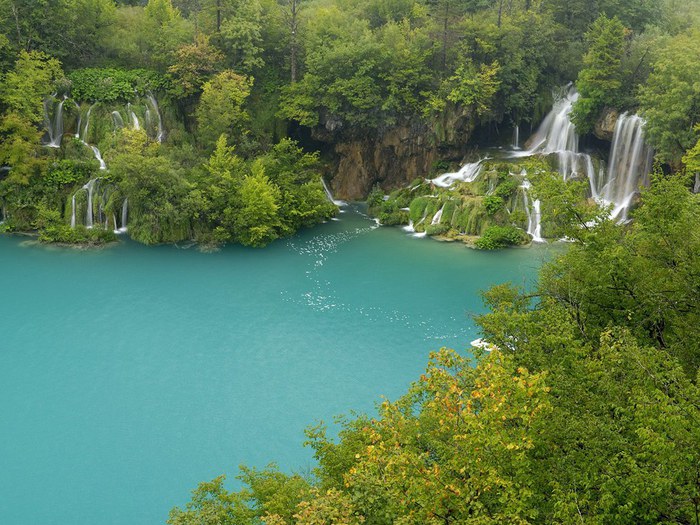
(605, 125)
(394, 156)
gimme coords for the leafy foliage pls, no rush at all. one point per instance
(113, 85)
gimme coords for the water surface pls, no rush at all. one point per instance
(128, 375)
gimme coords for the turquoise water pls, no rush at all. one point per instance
(130, 374)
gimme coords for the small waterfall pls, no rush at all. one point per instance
(54, 127)
(125, 212)
(154, 103)
(534, 214)
(80, 120)
(117, 119)
(134, 118)
(330, 195)
(90, 187)
(468, 173)
(98, 156)
(630, 165)
(72, 216)
(114, 221)
(696, 186)
(438, 216)
(84, 135)
(409, 228)
(516, 138)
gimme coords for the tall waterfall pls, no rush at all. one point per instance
(467, 173)
(629, 166)
(557, 135)
(154, 103)
(516, 137)
(54, 126)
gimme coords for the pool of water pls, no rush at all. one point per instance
(130, 374)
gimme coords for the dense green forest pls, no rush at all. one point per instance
(216, 119)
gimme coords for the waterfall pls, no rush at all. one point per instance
(330, 195)
(696, 186)
(98, 156)
(125, 210)
(516, 137)
(80, 119)
(154, 103)
(84, 135)
(467, 173)
(90, 187)
(557, 135)
(117, 119)
(72, 216)
(534, 214)
(134, 118)
(409, 228)
(438, 216)
(54, 127)
(629, 167)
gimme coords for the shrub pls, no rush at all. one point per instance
(495, 237)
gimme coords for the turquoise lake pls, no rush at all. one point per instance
(130, 374)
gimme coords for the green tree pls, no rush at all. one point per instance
(221, 108)
(600, 82)
(670, 100)
(257, 221)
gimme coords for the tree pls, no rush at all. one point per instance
(194, 65)
(221, 108)
(600, 81)
(670, 100)
(257, 221)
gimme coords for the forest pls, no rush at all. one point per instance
(227, 121)
(215, 120)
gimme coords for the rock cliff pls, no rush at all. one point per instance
(394, 156)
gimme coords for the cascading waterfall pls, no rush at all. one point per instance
(516, 138)
(80, 120)
(468, 173)
(54, 127)
(629, 167)
(98, 156)
(154, 103)
(557, 135)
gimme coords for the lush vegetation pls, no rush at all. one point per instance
(583, 407)
(259, 71)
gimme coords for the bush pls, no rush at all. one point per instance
(492, 203)
(496, 237)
